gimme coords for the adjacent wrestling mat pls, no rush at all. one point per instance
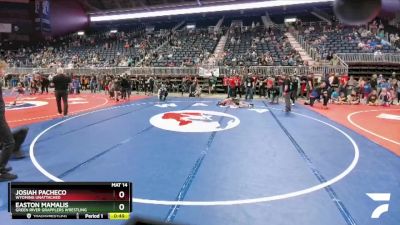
(37, 108)
(192, 162)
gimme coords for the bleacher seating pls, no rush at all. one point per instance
(344, 39)
(248, 43)
(185, 48)
(250, 46)
(100, 48)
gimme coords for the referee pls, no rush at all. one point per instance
(6, 138)
(61, 83)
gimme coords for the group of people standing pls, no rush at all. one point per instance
(119, 87)
(29, 84)
(267, 87)
(332, 88)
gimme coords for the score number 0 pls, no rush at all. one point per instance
(121, 195)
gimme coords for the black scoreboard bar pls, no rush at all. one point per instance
(70, 200)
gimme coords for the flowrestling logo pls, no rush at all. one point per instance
(25, 105)
(194, 121)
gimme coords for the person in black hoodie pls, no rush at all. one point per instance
(249, 85)
(61, 84)
(143, 84)
(287, 84)
(125, 87)
(294, 86)
(117, 88)
(44, 81)
(6, 138)
(274, 93)
(151, 85)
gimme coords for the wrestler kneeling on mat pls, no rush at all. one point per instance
(318, 93)
(162, 93)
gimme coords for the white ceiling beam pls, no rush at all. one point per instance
(203, 9)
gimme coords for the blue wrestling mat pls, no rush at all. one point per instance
(192, 162)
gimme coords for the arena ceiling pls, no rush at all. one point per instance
(96, 6)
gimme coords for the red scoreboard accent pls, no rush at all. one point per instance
(70, 200)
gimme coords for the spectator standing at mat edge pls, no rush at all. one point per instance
(44, 84)
(6, 138)
(61, 83)
(287, 93)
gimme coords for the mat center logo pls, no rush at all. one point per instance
(194, 121)
(25, 105)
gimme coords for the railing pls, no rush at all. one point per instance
(178, 25)
(319, 23)
(370, 58)
(345, 58)
(140, 71)
(218, 25)
(281, 27)
(342, 62)
(192, 71)
(267, 21)
(313, 52)
(279, 70)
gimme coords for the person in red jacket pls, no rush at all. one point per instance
(270, 85)
(232, 86)
(343, 82)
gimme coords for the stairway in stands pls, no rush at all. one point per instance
(160, 46)
(219, 51)
(218, 54)
(303, 53)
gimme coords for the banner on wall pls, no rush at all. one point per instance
(208, 72)
(42, 16)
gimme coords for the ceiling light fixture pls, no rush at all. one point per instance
(205, 9)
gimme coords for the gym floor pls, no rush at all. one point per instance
(192, 162)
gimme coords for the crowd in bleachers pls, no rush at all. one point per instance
(392, 30)
(338, 38)
(247, 45)
(257, 46)
(185, 48)
(124, 48)
(251, 45)
(394, 39)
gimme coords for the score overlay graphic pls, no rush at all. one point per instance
(70, 200)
